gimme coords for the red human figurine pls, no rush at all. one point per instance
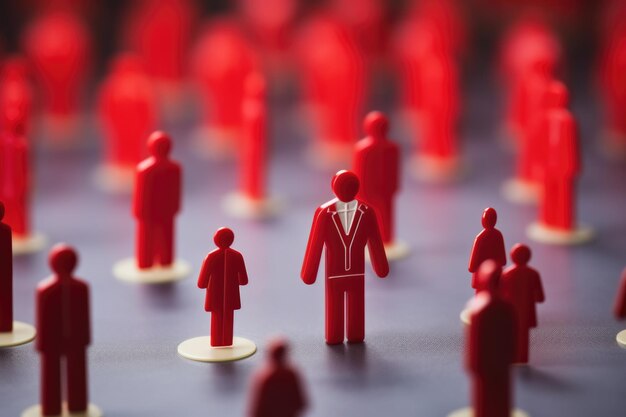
(277, 389)
(560, 169)
(345, 225)
(489, 244)
(377, 164)
(223, 271)
(520, 285)
(619, 308)
(15, 88)
(64, 333)
(127, 90)
(6, 276)
(613, 89)
(492, 343)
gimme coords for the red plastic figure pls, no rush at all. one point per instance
(377, 164)
(254, 133)
(6, 276)
(492, 342)
(620, 301)
(276, 388)
(345, 225)
(489, 244)
(223, 271)
(520, 285)
(127, 90)
(63, 332)
(15, 88)
(156, 202)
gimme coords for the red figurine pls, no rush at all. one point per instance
(127, 90)
(15, 88)
(520, 285)
(560, 169)
(345, 225)
(377, 164)
(6, 276)
(223, 271)
(489, 244)
(277, 390)
(619, 308)
(64, 333)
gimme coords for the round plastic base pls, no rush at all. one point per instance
(465, 316)
(543, 234)
(22, 333)
(35, 411)
(522, 192)
(28, 244)
(621, 339)
(241, 206)
(114, 179)
(200, 349)
(469, 412)
(214, 143)
(127, 270)
(437, 170)
(397, 250)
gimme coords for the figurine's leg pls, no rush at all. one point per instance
(356, 313)
(145, 245)
(565, 206)
(217, 329)
(167, 243)
(228, 325)
(334, 315)
(50, 384)
(6, 303)
(76, 380)
(492, 396)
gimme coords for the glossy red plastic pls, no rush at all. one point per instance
(619, 309)
(15, 87)
(252, 164)
(489, 244)
(6, 275)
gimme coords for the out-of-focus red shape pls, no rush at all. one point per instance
(15, 87)
(223, 271)
(619, 308)
(345, 241)
(222, 59)
(521, 286)
(6, 275)
(15, 184)
(254, 138)
(561, 162)
(377, 164)
(156, 202)
(63, 333)
(491, 338)
(333, 76)
(127, 110)
(277, 389)
(58, 46)
(488, 245)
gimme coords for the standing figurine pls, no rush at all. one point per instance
(345, 225)
(377, 164)
(156, 202)
(489, 244)
(64, 333)
(620, 308)
(223, 271)
(15, 88)
(12, 333)
(277, 390)
(520, 285)
(560, 169)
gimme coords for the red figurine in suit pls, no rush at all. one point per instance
(489, 244)
(276, 388)
(254, 133)
(520, 285)
(377, 164)
(345, 225)
(492, 342)
(156, 202)
(63, 332)
(223, 271)
(6, 275)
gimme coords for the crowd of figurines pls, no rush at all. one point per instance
(231, 61)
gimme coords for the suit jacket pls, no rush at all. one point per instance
(223, 271)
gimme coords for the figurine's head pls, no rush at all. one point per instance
(159, 144)
(490, 217)
(520, 254)
(1, 211)
(255, 86)
(376, 125)
(557, 95)
(345, 185)
(62, 259)
(489, 275)
(223, 238)
(277, 351)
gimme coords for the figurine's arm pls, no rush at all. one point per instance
(205, 271)
(376, 247)
(539, 294)
(140, 194)
(314, 247)
(394, 175)
(242, 274)
(473, 259)
(178, 190)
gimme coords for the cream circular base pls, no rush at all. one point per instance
(621, 339)
(241, 206)
(465, 316)
(200, 349)
(469, 412)
(35, 411)
(127, 270)
(29, 244)
(521, 192)
(397, 250)
(114, 179)
(435, 170)
(22, 333)
(543, 234)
